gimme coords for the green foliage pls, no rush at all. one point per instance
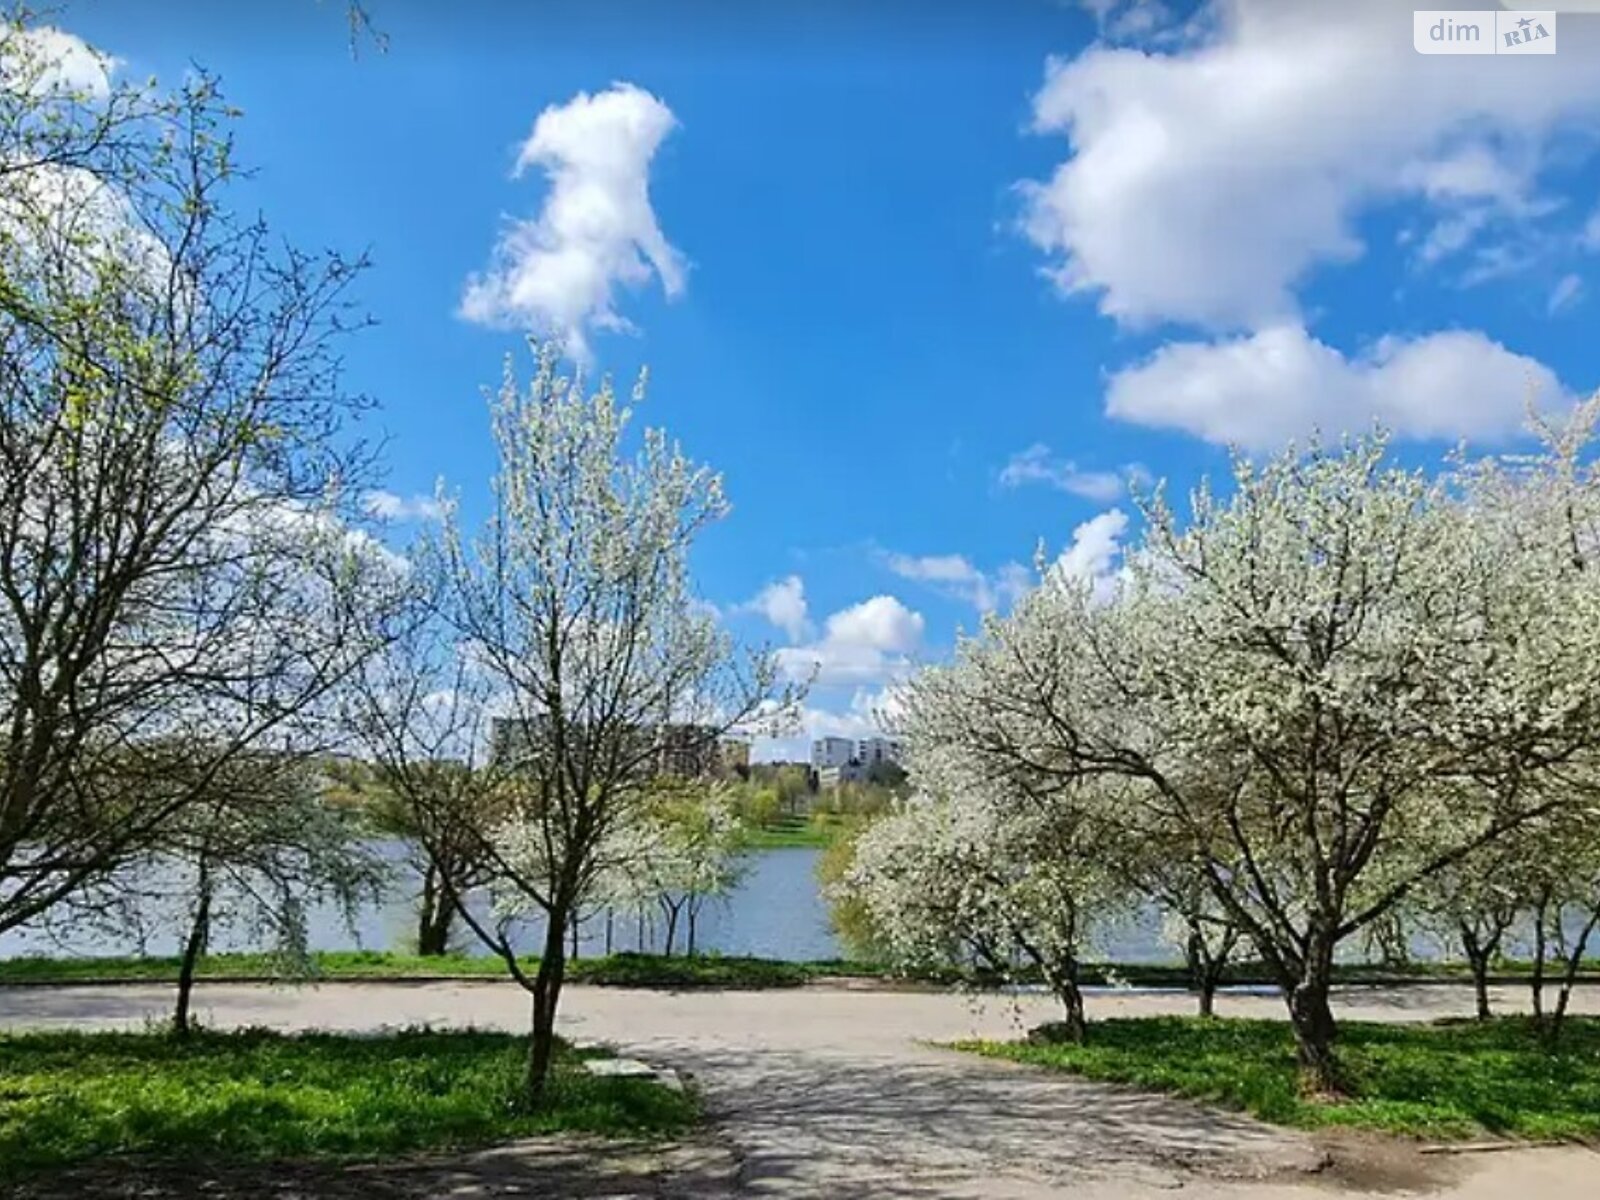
(73, 1097)
(859, 800)
(1448, 1080)
(848, 914)
(789, 782)
(757, 805)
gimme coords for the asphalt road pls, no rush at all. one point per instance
(843, 1093)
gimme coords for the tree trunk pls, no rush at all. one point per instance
(192, 949)
(610, 923)
(1204, 973)
(1569, 976)
(1311, 1015)
(694, 917)
(1480, 985)
(1063, 980)
(671, 912)
(1478, 955)
(1540, 949)
(546, 995)
(435, 917)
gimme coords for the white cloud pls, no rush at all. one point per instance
(1206, 183)
(46, 60)
(1036, 465)
(1589, 238)
(957, 576)
(1095, 552)
(783, 605)
(1262, 389)
(868, 643)
(1119, 19)
(557, 273)
(1566, 294)
(388, 506)
(934, 568)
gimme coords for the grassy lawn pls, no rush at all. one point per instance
(67, 1098)
(616, 970)
(1448, 1080)
(654, 970)
(785, 833)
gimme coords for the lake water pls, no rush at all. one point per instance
(777, 911)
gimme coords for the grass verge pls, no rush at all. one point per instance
(1446, 1081)
(69, 1098)
(660, 971)
(615, 970)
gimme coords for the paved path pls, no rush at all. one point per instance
(835, 1092)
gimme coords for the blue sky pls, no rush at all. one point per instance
(927, 282)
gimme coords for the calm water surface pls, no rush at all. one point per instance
(777, 911)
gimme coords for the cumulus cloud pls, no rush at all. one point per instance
(1264, 388)
(783, 605)
(956, 575)
(45, 59)
(558, 273)
(1036, 465)
(1204, 184)
(1094, 555)
(387, 506)
(868, 643)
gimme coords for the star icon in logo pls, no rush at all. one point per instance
(1524, 23)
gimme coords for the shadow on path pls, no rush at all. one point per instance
(819, 1124)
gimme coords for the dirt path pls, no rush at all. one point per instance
(833, 1092)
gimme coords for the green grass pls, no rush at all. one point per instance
(616, 970)
(654, 970)
(339, 964)
(68, 1098)
(786, 833)
(1446, 1081)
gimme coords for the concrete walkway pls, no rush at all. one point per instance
(836, 1092)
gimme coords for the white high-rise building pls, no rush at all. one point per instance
(874, 750)
(832, 752)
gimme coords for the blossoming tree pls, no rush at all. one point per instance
(1334, 683)
(575, 607)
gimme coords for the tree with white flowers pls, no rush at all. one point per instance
(575, 608)
(686, 850)
(996, 879)
(1334, 683)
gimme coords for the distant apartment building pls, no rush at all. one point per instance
(872, 751)
(832, 752)
(839, 760)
